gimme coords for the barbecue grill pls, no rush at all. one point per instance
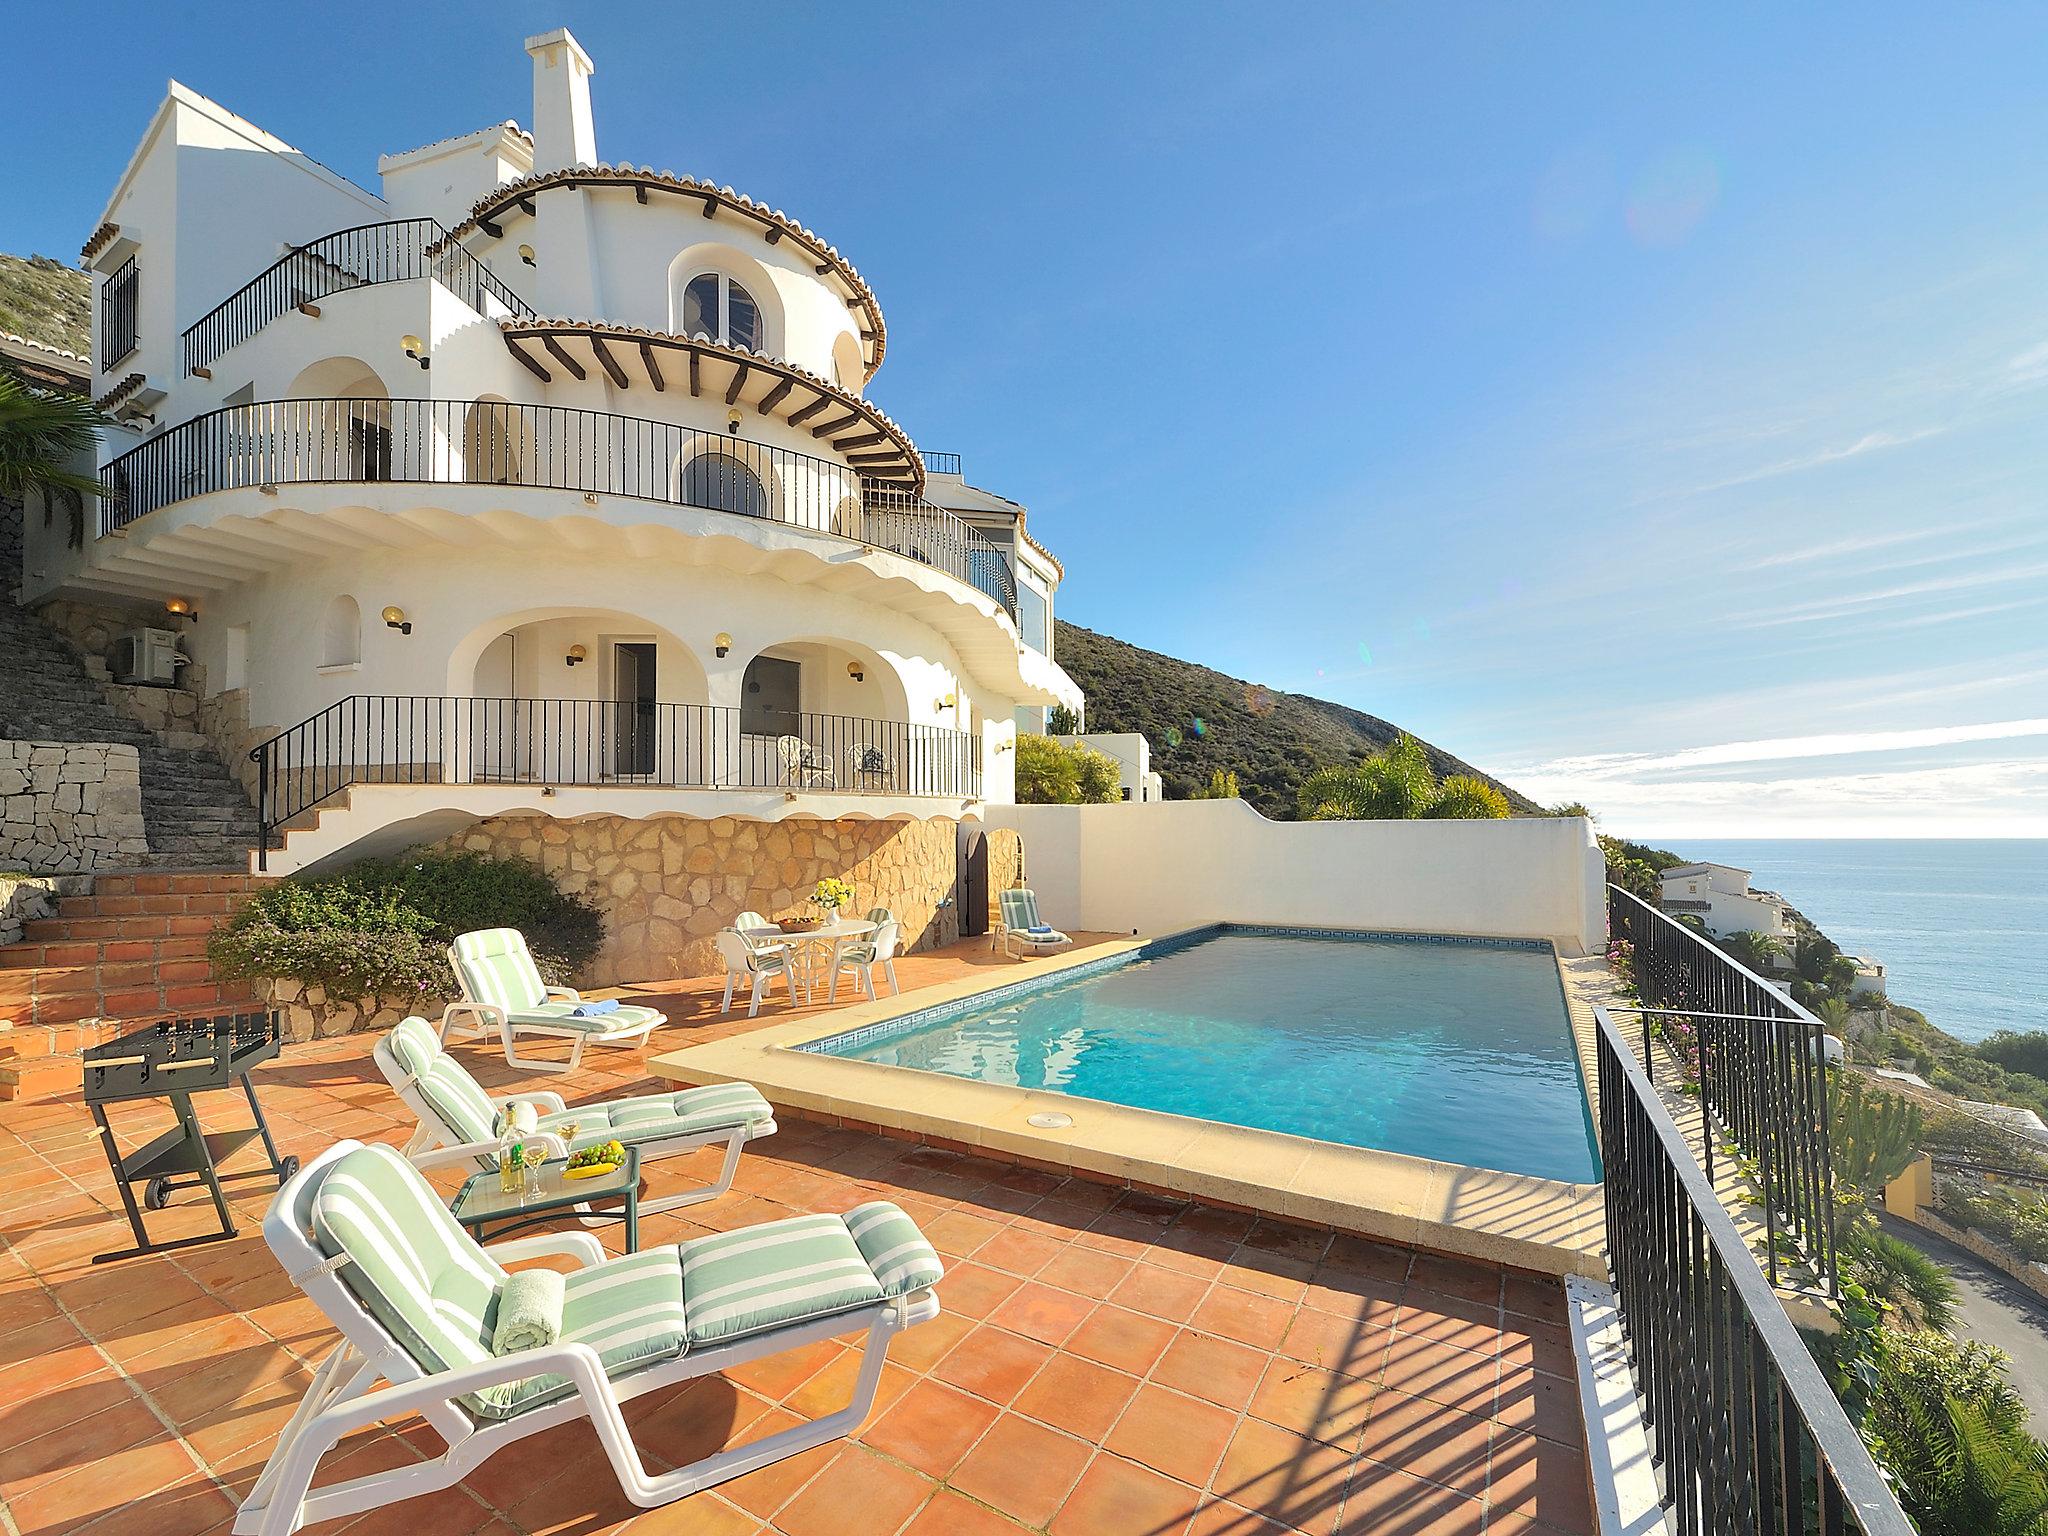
(174, 1060)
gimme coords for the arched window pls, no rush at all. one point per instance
(721, 481)
(716, 306)
(341, 637)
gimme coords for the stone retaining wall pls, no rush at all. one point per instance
(665, 886)
(310, 1014)
(2033, 1276)
(24, 898)
(66, 807)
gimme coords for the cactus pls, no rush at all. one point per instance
(1874, 1135)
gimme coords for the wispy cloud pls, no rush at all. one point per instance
(1787, 748)
(1870, 442)
(2030, 365)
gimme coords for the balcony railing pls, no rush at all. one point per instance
(1746, 1436)
(118, 334)
(1762, 1069)
(414, 739)
(277, 442)
(942, 463)
(349, 258)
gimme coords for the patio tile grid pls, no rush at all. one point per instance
(1108, 1361)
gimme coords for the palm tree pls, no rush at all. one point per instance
(1462, 797)
(1395, 784)
(39, 431)
(1753, 949)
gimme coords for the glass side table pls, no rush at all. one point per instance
(480, 1203)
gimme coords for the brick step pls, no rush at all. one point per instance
(227, 879)
(139, 1003)
(40, 1080)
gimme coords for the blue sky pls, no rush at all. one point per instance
(1648, 408)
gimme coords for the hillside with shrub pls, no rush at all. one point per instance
(1202, 723)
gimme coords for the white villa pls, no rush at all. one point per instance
(1719, 895)
(532, 484)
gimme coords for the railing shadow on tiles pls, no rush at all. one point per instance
(266, 444)
(419, 739)
(1762, 1071)
(1746, 1435)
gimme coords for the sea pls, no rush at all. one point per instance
(1961, 925)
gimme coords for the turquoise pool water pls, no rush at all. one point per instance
(1458, 1051)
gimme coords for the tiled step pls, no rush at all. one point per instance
(130, 952)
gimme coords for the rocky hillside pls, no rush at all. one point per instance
(46, 301)
(1198, 720)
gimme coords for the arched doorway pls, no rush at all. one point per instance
(343, 430)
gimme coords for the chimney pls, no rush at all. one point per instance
(562, 132)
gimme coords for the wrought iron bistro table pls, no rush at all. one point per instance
(175, 1060)
(482, 1202)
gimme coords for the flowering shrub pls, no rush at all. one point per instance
(383, 926)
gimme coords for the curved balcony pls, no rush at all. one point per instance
(392, 252)
(278, 442)
(598, 743)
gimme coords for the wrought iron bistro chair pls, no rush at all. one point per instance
(870, 767)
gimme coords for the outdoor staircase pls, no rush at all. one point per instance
(194, 813)
(131, 953)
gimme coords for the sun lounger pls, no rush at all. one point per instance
(1020, 928)
(416, 1299)
(458, 1120)
(502, 990)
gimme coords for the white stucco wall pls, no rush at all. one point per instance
(1175, 864)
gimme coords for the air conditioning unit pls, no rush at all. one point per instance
(148, 656)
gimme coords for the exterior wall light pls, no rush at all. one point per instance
(576, 654)
(732, 422)
(394, 618)
(721, 643)
(526, 255)
(415, 349)
(941, 704)
(854, 671)
(182, 607)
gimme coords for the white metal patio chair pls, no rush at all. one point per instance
(416, 1298)
(863, 955)
(458, 1120)
(502, 990)
(1018, 924)
(802, 763)
(744, 956)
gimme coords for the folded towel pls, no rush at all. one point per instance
(518, 1119)
(594, 1010)
(1040, 928)
(529, 1311)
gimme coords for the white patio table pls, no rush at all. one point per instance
(814, 952)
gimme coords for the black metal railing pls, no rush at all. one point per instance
(118, 318)
(1762, 1068)
(1746, 1436)
(415, 739)
(270, 443)
(392, 252)
(942, 463)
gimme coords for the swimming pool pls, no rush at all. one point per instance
(1456, 1050)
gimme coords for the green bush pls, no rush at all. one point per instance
(2018, 1052)
(1907, 1281)
(384, 925)
(1052, 772)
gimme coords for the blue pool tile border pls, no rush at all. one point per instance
(997, 996)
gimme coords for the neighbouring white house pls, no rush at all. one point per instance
(534, 484)
(1869, 977)
(1719, 895)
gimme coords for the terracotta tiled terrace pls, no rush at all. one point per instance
(1108, 1363)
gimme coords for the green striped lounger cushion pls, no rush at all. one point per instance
(411, 1266)
(662, 1116)
(785, 1272)
(561, 1016)
(630, 1310)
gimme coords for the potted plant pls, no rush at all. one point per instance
(830, 896)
